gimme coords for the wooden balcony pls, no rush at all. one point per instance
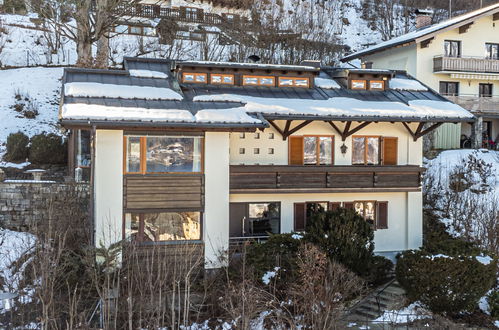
(477, 104)
(297, 179)
(465, 64)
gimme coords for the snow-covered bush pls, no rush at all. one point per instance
(445, 284)
(17, 147)
(47, 149)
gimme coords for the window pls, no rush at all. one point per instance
(183, 35)
(294, 82)
(492, 51)
(163, 154)
(452, 48)
(121, 28)
(366, 210)
(318, 150)
(258, 81)
(200, 78)
(303, 212)
(358, 84)
(271, 136)
(257, 136)
(449, 88)
(256, 151)
(191, 12)
(242, 135)
(271, 151)
(222, 79)
(135, 30)
(254, 219)
(161, 227)
(376, 213)
(242, 151)
(365, 150)
(83, 148)
(376, 85)
(485, 90)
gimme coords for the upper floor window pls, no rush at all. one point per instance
(311, 150)
(376, 85)
(492, 51)
(452, 48)
(200, 78)
(223, 79)
(374, 150)
(449, 88)
(485, 90)
(293, 82)
(258, 81)
(163, 154)
(359, 84)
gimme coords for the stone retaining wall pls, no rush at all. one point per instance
(24, 203)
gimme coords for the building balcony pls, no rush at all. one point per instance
(319, 179)
(476, 103)
(466, 64)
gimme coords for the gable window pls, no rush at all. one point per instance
(492, 51)
(449, 88)
(164, 226)
(485, 90)
(222, 79)
(258, 81)
(200, 78)
(376, 85)
(294, 82)
(452, 48)
(163, 154)
(358, 84)
(311, 150)
(254, 219)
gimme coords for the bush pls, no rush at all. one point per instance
(493, 300)
(17, 147)
(47, 149)
(345, 237)
(447, 285)
(380, 270)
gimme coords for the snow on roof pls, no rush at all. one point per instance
(252, 65)
(412, 36)
(147, 74)
(326, 83)
(91, 89)
(407, 85)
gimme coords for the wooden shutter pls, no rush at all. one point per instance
(296, 150)
(183, 12)
(200, 13)
(382, 215)
(237, 212)
(334, 206)
(300, 215)
(390, 145)
(348, 205)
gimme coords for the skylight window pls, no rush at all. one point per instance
(258, 81)
(223, 79)
(200, 78)
(293, 82)
(377, 85)
(358, 84)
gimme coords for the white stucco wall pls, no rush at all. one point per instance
(401, 58)
(409, 152)
(108, 187)
(216, 215)
(404, 214)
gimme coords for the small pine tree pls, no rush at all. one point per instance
(17, 147)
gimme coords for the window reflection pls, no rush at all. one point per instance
(167, 226)
(366, 150)
(133, 154)
(173, 154)
(264, 218)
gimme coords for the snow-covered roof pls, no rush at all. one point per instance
(428, 32)
(123, 98)
(250, 65)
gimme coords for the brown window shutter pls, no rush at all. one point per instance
(348, 205)
(299, 216)
(382, 215)
(200, 13)
(334, 206)
(296, 150)
(390, 145)
(183, 12)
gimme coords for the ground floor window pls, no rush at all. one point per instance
(163, 226)
(254, 219)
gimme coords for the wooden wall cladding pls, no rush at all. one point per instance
(165, 192)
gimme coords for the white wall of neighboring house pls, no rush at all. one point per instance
(108, 186)
(402, 58)
(207, 6)
(409, 151)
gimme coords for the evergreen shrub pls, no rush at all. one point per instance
(47, 149)
(17, 147)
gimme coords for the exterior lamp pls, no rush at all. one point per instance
(343, 148)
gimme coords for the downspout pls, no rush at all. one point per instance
(92, 183)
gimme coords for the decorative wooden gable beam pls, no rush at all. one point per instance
(495, 17)
(347, 131)
(465, 28)
(287, 128)
(419, 130)
(426, 43)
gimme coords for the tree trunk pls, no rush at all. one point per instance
(84, 37)
(102, 58)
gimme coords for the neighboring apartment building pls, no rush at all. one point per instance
(210, 154)
(459, 58)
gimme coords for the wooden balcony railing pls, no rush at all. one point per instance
(476, 103)
(289, 179)
(465, 64)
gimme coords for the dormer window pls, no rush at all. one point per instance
(377, 85)
(358, 84)
(294, 82)
(258, 81)
(200, 78)
(222, 79)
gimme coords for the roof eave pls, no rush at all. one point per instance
(370, 118)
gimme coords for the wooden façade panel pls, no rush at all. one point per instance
(175, 191)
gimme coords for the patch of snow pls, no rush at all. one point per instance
(225, 116)
(485, 260)
(296, 236)
(14, 165)
(326, 83)
(91, 89)
(270, 275)
(496, 324)
(483, 303)
(148, 74)
(258, 65)
(351, 324)
(405, 315)
(407, 84)
(29, 181)
(218, 98)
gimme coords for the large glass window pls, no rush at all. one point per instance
(165, 226)
(449, 88)
(485, 90)
(492, 51)
(83, 148)
(452, 48)
(366, 150)
(164, 154)
(264, 218)
(318, 150)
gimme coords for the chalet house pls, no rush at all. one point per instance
(458, 57)
(209, 153)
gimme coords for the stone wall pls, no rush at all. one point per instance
(23, 203)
